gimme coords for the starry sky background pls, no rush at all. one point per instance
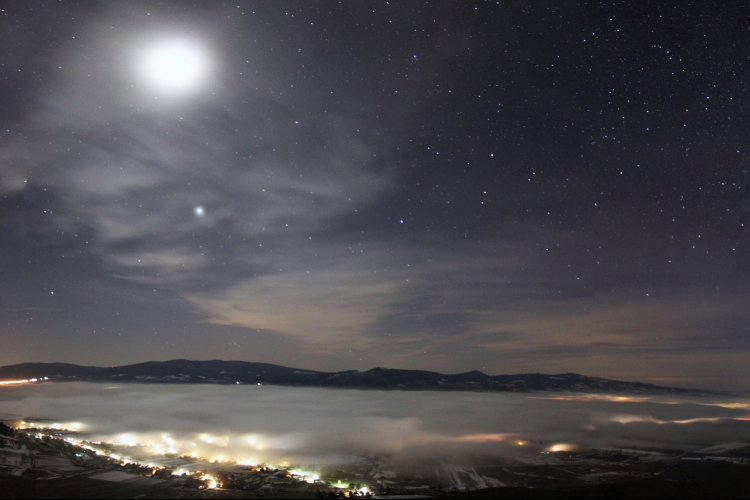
(511, 187)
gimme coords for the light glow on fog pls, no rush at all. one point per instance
(602, 397)
(561, 447)
(628, 419)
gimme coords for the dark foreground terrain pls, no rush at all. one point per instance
(685, 480)
(182, 371)
(710, 482)
(705, 481)
(39, 463)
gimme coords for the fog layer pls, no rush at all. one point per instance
(253, 424)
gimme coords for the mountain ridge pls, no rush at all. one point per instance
(244, 372)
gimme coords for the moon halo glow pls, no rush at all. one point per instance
(174, 66)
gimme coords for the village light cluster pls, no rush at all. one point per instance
(155, 445)
(57, 426)
(107, 451)
(25, 381)
(212, 484)
(212, 447)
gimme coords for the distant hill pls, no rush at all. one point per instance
(182, 371)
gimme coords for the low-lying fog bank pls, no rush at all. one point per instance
(252, 424)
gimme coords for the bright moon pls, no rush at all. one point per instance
(175, 65)
(199, 211)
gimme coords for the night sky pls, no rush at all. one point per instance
(503, 186)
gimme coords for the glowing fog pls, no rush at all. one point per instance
(254, 425)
